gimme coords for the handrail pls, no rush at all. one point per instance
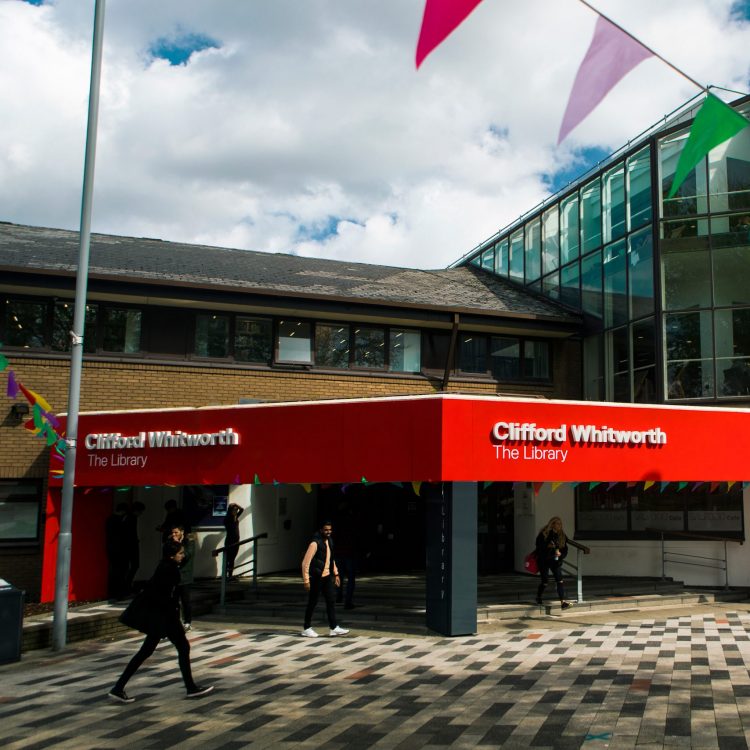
(578, 567)
(222, 551)
(216, 552)
(677, 557)
(691, 535)
(586, 550)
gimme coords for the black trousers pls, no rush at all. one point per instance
(327, 587)
(185, 603)
(176, 635)
(556, 569)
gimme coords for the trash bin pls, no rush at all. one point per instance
(11, 622)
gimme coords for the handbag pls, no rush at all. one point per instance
(530, 563)
(136, 615)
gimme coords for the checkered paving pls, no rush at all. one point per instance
(679, 682)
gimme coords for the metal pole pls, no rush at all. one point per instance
(64, 540)
(579, 564)
(223, 594)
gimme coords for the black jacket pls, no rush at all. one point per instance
(156, 609)
(546, 544)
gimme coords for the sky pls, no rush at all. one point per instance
(302, 126)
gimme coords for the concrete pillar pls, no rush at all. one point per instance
(451, 580)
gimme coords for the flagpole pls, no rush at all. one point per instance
(645, 46)
(64, 539)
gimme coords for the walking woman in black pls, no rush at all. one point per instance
(156, 612)
(551, 549)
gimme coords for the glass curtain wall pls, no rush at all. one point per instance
(705, 254)
(593, 251)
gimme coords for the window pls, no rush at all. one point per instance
(591, 216)
(644, 361)
(121, 330)
(622, 512)
(641, 274)
(615, 290)
(501, 257)
(405, 350)
(618, 365)
(550, 240)
(212, 335)
(690, 198)
(472, 353)
(488, 260)
(533, 251)
(639, 189)
(689, 352)
(505, 358)
(253, 340)
(551, 285)
(570, 285)
(591, 284)
(614, 203)
(294, 343)
(62, 324)
(25, 323)
(729, 172)
(569, 240)
(730, 239)
(331, 345)
(536, 360)
(20, 507)
(732, 331)
(369, 347)
(516, 256)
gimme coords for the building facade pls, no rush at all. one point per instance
(607, 292)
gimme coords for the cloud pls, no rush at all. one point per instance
(303, 127)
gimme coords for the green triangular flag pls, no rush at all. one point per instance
(256, 479)
(715, 123)
(3, 362)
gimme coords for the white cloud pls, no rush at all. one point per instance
(311, 116)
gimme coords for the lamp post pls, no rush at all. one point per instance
(64, 541)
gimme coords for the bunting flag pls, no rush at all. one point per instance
(611, 485)
(592, 485)
(696, 485)
(236, 479)
(537, 486)
(364, 480)
(664, 486)
(611, 55)
(441, 17)
(485, 485)
(556, 485)
(416, 486)
(275, 483)
(3, 362)
(308, 487)
(256, 480)
(745, 485)
(344, 487)
(681, 485)
(12, 390)
(714, 486)
(650, 483)
(34, 398)
(631, 484)
(715, 123)
(730, 485)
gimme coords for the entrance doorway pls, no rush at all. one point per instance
(495, 522)
(384, 523)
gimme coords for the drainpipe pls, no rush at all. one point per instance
(451, 353)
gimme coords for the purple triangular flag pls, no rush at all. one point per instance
(12, 385)
(612, 54)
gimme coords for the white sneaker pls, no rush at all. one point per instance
(338, 631)
(309, 633)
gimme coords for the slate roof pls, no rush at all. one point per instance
(24, 248)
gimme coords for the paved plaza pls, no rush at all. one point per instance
(681, 681)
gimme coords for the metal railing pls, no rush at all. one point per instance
(679, 558)
(577, 569)
(251, 564)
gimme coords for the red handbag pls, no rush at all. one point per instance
(530, 563)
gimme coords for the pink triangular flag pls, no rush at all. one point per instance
(440, 18)
(12, 384)
(612, 54)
